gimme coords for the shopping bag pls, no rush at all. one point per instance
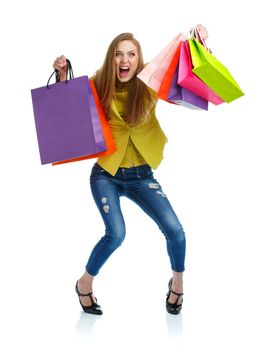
(110, 143)
(67, 121)
(169, 75)
(170, 91)
(184, 97)
(213, 73)
(188, 80)
(154, 71)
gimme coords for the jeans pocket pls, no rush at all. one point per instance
(144, 172)
(97, 170)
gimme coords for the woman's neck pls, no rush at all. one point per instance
(121, 86)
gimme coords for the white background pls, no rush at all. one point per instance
(212, 174)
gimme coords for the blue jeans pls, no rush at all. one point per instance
(139, 185)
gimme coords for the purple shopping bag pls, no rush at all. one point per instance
(184, 97)
(67, 121)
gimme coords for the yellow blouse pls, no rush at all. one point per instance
(136, 145)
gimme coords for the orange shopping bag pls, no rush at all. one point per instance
(168, 77)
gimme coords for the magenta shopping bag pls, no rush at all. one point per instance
(67, 121)
(187, 79)
(184, 97)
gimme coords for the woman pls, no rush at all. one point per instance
(130, 108)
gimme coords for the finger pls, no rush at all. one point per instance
(57, 65)
(200, 26)
(60, 63)
(62, 59)
(203, 31)
(205, 34)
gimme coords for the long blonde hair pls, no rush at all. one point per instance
(139, 97)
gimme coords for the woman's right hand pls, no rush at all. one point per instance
(61, 65)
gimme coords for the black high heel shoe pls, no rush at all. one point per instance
(173, 308)
(94, 308)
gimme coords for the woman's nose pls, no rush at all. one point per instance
(124, 58)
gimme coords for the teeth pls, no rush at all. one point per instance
(124, 67)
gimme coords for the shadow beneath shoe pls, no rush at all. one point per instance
(85, 324)
(174, 325)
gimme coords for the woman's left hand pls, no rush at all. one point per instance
(203, 31)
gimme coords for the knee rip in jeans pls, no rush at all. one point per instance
(155, 186)
(106, 207)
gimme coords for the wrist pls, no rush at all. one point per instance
(62, 77)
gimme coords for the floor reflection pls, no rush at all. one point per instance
(85, 324)
(174, 325)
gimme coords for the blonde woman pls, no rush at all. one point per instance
(130, 108)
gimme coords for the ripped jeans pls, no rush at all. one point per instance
(139, 185)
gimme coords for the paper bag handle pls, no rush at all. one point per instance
(195, 32)
(69, 72)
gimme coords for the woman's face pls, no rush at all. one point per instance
(126, 60)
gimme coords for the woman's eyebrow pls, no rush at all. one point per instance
(119, 51)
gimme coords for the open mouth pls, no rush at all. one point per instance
(124, 71)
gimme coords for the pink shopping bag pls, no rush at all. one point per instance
(155, 70)
(188, 80)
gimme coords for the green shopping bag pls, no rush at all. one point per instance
(213, 73)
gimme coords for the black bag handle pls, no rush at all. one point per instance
(69, 72)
